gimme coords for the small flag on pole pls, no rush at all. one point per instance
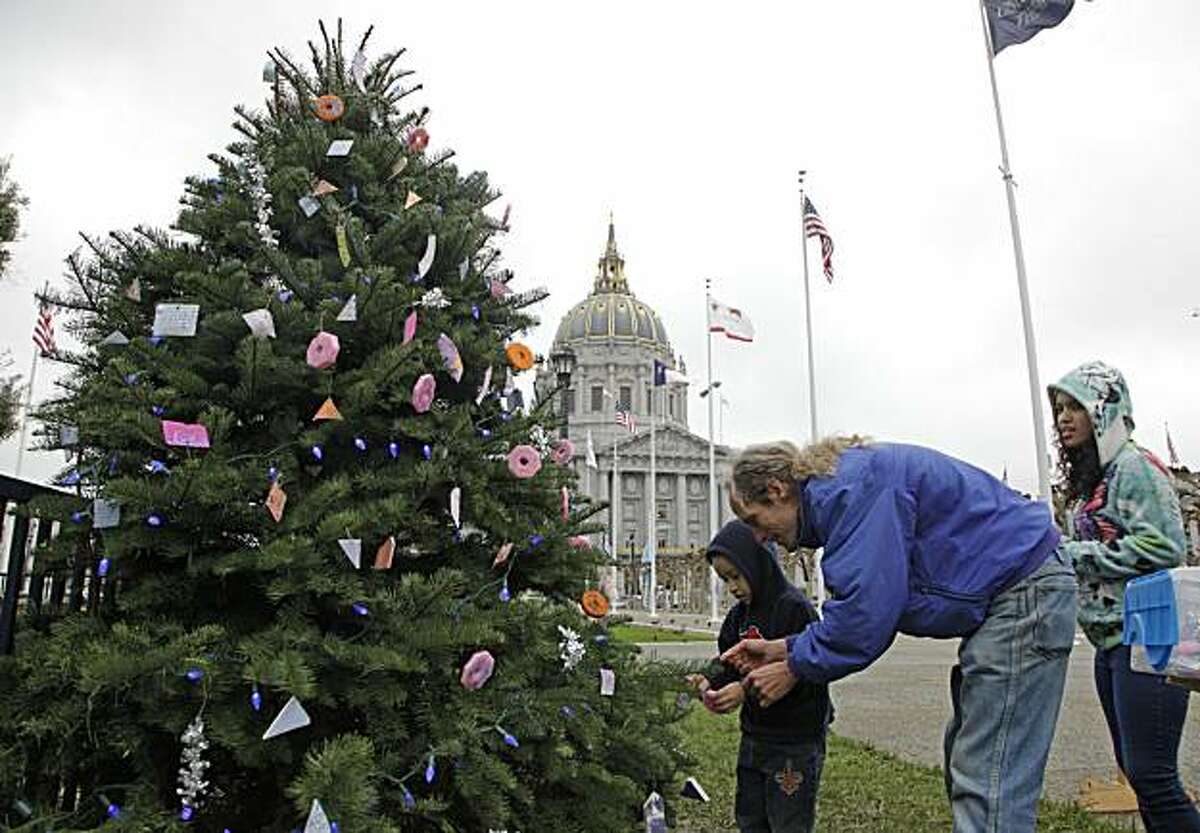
(1171, 453)
(814, 226)
(730, 321)
(625, 419)
(43, 331)
(591, 452)
(664, 375)
(1016, 21)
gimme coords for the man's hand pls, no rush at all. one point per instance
(770, 683)
(698, 682)
(726, 699)
(755, 653)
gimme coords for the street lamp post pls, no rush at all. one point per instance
(563, 361)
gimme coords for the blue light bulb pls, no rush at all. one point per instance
(273, 473)
(77, 517)
(475, 312)
(333, 827)
(360, 444)
(154, 520)
(509, 739)
(195, 674)
(504, 594)
(427, 452)
(155, 341)
(102, 570)
(360, 609)
(112, 810)
(486, 433)
(394, 449)
(285, 295)
(157, 410)
(318, 453)
(256, 699)
(410, 803)
(186, 813)
(430, 771)
(536, 540)
(567, 711)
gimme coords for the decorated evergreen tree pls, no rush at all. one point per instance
(329, 568)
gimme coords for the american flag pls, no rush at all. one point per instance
(625, 419)
(43, 331)
(814, 226)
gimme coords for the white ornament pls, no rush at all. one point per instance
(570, 648)
(192, 785)
(435, 299)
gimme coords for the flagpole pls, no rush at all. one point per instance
(1035, 393)
(615, 506)
(714, 586)
(28, 404)
(652, 525)
(812, 374)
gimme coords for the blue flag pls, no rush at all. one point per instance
(1016, 21)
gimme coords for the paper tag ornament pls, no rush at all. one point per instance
(608, 682)
(322, 188)
(328, 410)
(358, 71)
(309, 204)
(276, 500)
(463, 268)
(134, 291)
(185, 434)
(106, 514)
(502, 554)
(176, 320)
(317, 822)
(385, 554)
(343, 245)
(486, 387)
(260, 322)
(350, 310)
(68, 435)
(410, 327)
(450, 357)
(427, 259)
(290, 718)
(398, 168)
(654, 811)
(340, 147)
(352, 548)
(115, 339)
(456, 506)
(412, 199)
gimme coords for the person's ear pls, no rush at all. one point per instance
(777, 491)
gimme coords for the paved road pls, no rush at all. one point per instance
(902, 702)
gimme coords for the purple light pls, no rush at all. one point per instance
(187, 812)
(285, 295)
(410, 803)
(72, 478)
(158, 410)
(475, 312)
(154, 520)
(427, 452)
(318, 453)
(567, 711)
(157, 467)
(273, 474)
(155, 340)
(360, 444)
(536, 540)
(504, 594)
(102, 569)
(509, 739)
(112, 811)
(195, 674)
(77, 517)
(430, 771)
(256, 699)
(394, 450)
(486, 433)
(360, 609)
(333, 827)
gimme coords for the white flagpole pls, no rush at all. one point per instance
(714, 586)
(1035, 392)
(652, 511)
(28, 404)
(812, 375)
(615, 505)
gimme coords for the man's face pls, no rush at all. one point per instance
(774, 519)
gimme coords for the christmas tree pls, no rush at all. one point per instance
(331, 566)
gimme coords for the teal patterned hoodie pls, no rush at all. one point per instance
(1131, 525)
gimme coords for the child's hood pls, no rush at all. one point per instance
(753, 560)
(1102, 392)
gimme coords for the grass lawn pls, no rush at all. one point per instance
(646, 633)
(863, 790)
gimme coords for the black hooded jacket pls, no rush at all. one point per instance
(777, 609)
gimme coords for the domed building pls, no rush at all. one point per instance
(615, 338)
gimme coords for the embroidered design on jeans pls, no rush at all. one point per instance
(789, 780)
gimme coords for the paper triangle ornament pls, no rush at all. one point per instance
(502, 554)
(340, 147)
(350, 310)
(692, 789)
(451, 359)
(322, 188)
(134, 291)
(456, 505)
(327, 411)
(276, 500)
(385, 553)
(410, 327)
(398, 168)
(352, 548)
(412, 199)
(654, 812)
(430, 253)
(317, 822)
(260, 322)
(290, 718)
(115, 339)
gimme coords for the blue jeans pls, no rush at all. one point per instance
(1145, 717)
(777, 785)
(1006, 690)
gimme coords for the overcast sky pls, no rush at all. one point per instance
(689, 121)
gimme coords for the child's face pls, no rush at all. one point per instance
(1073, 424)
(737, 583)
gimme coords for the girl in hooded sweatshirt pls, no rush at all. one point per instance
(1123, 521)
(783, 747)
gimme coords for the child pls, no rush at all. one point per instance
(783, 745)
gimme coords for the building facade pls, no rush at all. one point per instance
(616, 338)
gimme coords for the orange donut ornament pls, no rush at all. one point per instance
(519, 356)
(329, 107)
(594, 604)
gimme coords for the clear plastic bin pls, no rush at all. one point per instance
(1162, 622)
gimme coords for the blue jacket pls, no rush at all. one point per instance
(915, 542)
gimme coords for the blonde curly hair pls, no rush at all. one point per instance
(758, 465)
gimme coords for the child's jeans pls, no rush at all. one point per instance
(777, 784)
